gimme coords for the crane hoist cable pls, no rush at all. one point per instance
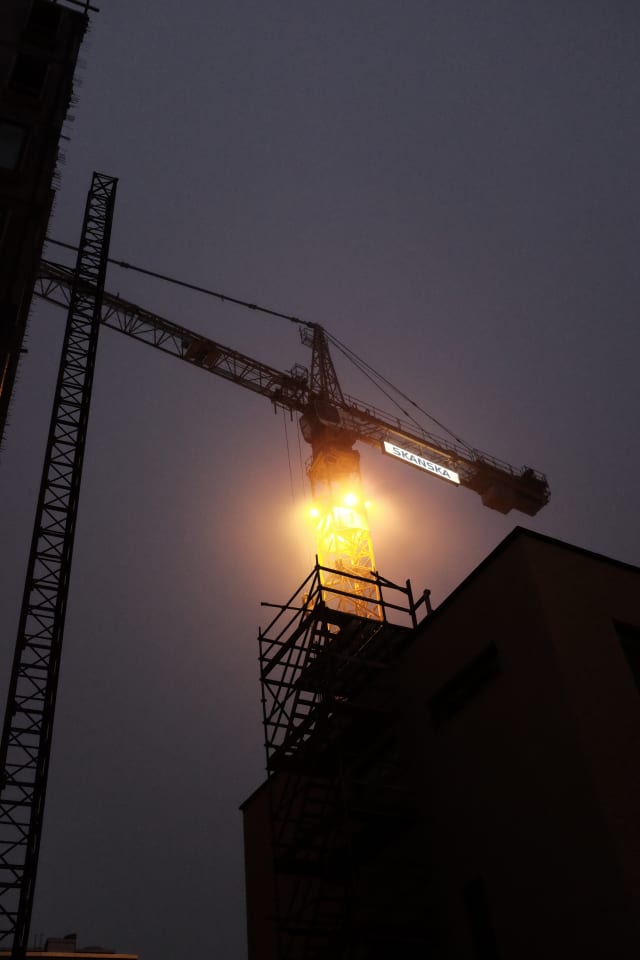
(193, 286)
(286, 440)
(374, 375)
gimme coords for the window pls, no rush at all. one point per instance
(43, 22)
(13, 137)
(464, 686)
(8, 325)
(4, 220)
(29, 74)
(629, 637)
(485, 946)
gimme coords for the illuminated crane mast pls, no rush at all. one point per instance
(339, 509)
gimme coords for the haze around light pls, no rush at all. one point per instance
(451, 189)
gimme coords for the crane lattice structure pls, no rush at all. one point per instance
(501, 486)
(26, 736)
(331, 422)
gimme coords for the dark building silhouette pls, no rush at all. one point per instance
(467, 787)
(39, 43)
(61, 948)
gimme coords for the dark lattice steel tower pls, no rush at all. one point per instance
(25, 744)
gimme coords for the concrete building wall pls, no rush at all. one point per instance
(259, 879)
(585, 598)
(528, 776)
(39, 43)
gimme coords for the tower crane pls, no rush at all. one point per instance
(331, 423)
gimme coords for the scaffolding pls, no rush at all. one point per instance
(337, 793)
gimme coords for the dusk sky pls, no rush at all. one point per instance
(448, 186)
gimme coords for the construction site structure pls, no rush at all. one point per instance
(458, 782)
(27, 732)
(331, 422)
(39, 44)
(335, 792)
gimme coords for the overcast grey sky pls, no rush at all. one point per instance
(449, 187)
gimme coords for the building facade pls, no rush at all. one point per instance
(488, 807)
(39, 44)
(66, 948)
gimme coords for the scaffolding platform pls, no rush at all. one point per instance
(337, 800)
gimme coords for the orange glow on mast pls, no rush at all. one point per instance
(342, 530)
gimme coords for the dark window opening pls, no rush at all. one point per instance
(43, 22)
(455, 694)
(8, 324)
(485, 945)
(29, 74)
(4, 220)
(13, 137)
(629, 637)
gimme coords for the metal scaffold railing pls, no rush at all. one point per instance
(330, 742)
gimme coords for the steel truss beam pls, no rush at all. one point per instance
(27, 732)
(501, 486)
(288, 389)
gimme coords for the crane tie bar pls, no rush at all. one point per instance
(195, 287)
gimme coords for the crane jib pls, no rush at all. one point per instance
(420, 462)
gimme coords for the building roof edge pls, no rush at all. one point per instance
(522, 533)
